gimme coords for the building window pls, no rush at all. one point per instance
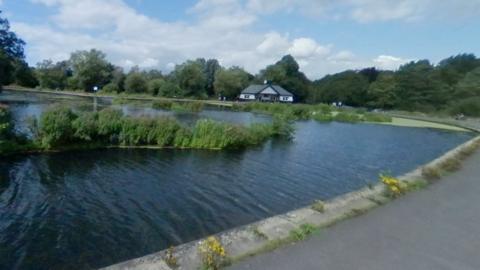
(246, 96)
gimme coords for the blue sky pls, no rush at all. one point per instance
(325, 36)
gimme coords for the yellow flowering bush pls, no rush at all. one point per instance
(213, 253)
(395, 187)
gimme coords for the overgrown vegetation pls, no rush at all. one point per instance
(319, 112)
(319, 206)
(61, 128)
(303, 232)
(212, 253)
(393, 187)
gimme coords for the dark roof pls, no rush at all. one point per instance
(257, 88)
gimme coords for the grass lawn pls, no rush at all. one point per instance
(404, 122)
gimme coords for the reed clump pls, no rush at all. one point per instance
(60, 127)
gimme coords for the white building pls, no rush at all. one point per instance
(266, 93)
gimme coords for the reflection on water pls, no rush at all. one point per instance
(87, 209)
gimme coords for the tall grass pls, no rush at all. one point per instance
(194, 106)
(60, 127)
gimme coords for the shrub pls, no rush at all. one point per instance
(347, 117)
(162, 104)
(319, 206)
(450, 165)
(324, 108)
(183, 138)
(163, 131)
(431, 173)
(135, 83)
(135, 131)
(56, 126)
(6, 124)
(111, 88)
(303, 232)
(322, 117)
(301, 112)
(282, 127)
(169, 89)
(210, 134)
(195, 106)
(154, 86)
(109, 124)
(85, 126)
(469, 107)
(259, 132)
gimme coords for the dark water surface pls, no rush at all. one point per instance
(88, 209)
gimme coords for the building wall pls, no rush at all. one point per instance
(247, 96)
(286, 99)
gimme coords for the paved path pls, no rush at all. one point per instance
(436, 228)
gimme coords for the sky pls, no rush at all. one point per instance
(325, 36)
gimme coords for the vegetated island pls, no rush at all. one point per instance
(60, 128)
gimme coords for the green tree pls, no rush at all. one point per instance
(53, 76)
(454, 68)
(6, 69)
(418, 87)
(110, 88)
(169, 89)
(381, 93)
(90, 68)
(230, 82)
(286, 73)
(211, 68)
(118, 78)
(155, 85)
(469, 86)
(10, 44)
(56, 126)
(348, 87)
(11, 52)
(135, 83)
(24, 75)
(191, 78)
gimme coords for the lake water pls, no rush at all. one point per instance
(88, 209)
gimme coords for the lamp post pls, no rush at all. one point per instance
(95, 90)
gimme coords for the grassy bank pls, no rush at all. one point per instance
(318, 112)
(59, 128)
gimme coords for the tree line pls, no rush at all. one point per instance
(452, 85)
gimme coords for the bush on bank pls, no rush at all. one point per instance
(193, 106)
(318, 112)
(60, 127)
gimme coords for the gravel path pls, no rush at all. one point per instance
(436, 228)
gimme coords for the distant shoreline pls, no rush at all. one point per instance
(397, 120)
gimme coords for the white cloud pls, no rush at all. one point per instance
(371, 10)
(222, 29)
(389, 62)
(307, 47)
